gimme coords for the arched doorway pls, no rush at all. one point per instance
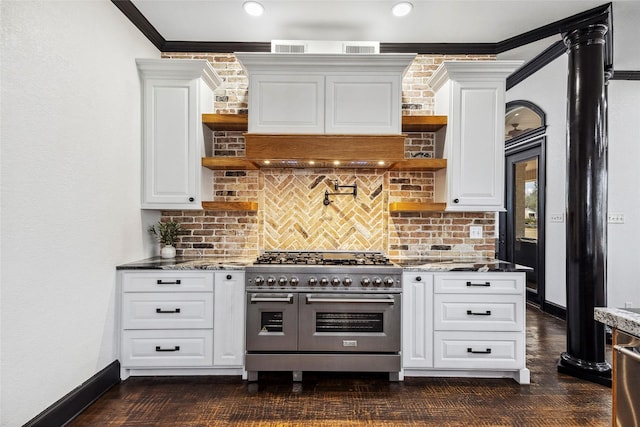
(522, 226)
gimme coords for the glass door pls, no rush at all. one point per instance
(522, 226)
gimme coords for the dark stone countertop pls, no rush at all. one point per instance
(460, 264)
(188, 263)
(407, 264)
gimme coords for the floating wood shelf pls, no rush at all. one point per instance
(228, 163)
(230, 206)
(419, 165)
(416, 207)
(423, 123)
(226, 121)
(239, 122)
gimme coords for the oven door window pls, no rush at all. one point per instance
(357, 322)
(350, 322)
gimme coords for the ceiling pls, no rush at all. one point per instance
(431, 21)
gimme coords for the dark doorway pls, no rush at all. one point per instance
(522, 226)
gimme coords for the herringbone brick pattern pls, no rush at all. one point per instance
(297, 219)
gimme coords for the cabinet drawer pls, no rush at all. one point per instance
(163, 348)
(478, 350)
(167, 310)
(168, 281)
(478, 312)
(479, 283)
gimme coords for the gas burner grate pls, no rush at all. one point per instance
(323, 258)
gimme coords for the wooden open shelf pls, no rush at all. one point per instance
(419, 165)
(226, 121)
(423, 123)
(239, 122)
(230, 206)
(416, 207)
(228, 163)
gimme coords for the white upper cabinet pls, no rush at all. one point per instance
(325, 93)
(175, 94)
(471, 94)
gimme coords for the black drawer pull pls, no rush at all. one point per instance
(470, 350)
(160, 282)
(176, 348)
(485, 284)
(472, 313)
(159, 310)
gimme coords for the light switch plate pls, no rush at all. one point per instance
(557, 217)
(615, 218)
(475, 232)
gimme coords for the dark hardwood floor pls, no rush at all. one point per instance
(331, 399)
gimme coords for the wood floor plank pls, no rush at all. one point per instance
(344, 399)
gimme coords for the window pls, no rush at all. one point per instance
(522, 120)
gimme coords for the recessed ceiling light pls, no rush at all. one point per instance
(401, 9)
(253, 8)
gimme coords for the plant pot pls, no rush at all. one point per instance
(168, 251)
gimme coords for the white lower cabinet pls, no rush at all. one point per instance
(417, 320)
(228, 319)
(181, 322)
(474, 324)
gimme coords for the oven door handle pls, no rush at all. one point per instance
(262, 298)
(386, 300)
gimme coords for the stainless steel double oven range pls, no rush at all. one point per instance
(323, 311)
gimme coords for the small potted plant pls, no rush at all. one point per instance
(167, 234)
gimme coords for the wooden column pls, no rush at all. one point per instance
(586, 205)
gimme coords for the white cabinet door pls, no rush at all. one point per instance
(228, 319)
(286, 103)
(476, 158)
(471, 93)
(368, 104)
(417, 320)
(175, 94)
(169, 145)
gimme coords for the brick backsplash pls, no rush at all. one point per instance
(291, 215)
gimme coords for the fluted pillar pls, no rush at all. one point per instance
(586, 187)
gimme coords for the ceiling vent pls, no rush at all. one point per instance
(325, 47)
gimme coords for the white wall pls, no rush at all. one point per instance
(70, 176)
(548, 89)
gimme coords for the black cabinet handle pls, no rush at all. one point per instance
(229, 277)
(456, 200)
(470, 350)
(176, 348)
(484, 285)
(486, 313)
(191, 199)
(161, 282)
(159, 310)
(419, 279)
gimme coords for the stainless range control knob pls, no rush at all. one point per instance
(388, 282)
(365, 281)
(335, 281)
(313, 281)
(271, 281)
(377, 281)
(294, 281)
(347, 281)
(324, 281)
(259, 281)
(282, 281)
